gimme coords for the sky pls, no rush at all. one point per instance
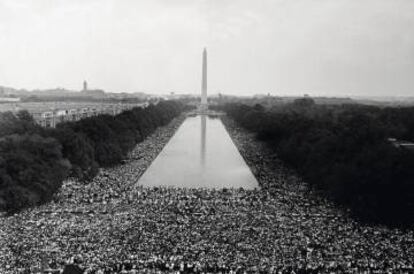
(281, 47)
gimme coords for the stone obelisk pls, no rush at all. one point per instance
(204, 105)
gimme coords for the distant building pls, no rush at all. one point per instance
(61, 112)
(9, 99)
(96, 93)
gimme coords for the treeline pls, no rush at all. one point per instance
(34, 161)
(344, 151)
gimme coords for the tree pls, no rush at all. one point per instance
(32, 170)
(77, 148)
(343, 151)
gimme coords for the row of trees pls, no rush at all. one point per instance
(343, 151)
(34, 161)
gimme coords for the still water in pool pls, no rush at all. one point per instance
(201, 154)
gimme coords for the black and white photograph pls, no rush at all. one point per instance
(206, 136)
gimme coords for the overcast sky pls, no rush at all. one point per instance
(285, 47)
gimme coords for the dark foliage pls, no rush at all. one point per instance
(21, 123)
(344, 151)
(104, 139)
(32, 169)
(78, 150)
(34, 161)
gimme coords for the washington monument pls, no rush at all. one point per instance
(204, 105)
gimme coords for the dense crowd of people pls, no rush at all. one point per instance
(113, 225)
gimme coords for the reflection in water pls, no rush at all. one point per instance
(210, 160)
(203, 140)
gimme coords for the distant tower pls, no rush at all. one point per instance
(85, 86)
(204, 82)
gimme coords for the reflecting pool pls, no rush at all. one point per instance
(200, 154)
